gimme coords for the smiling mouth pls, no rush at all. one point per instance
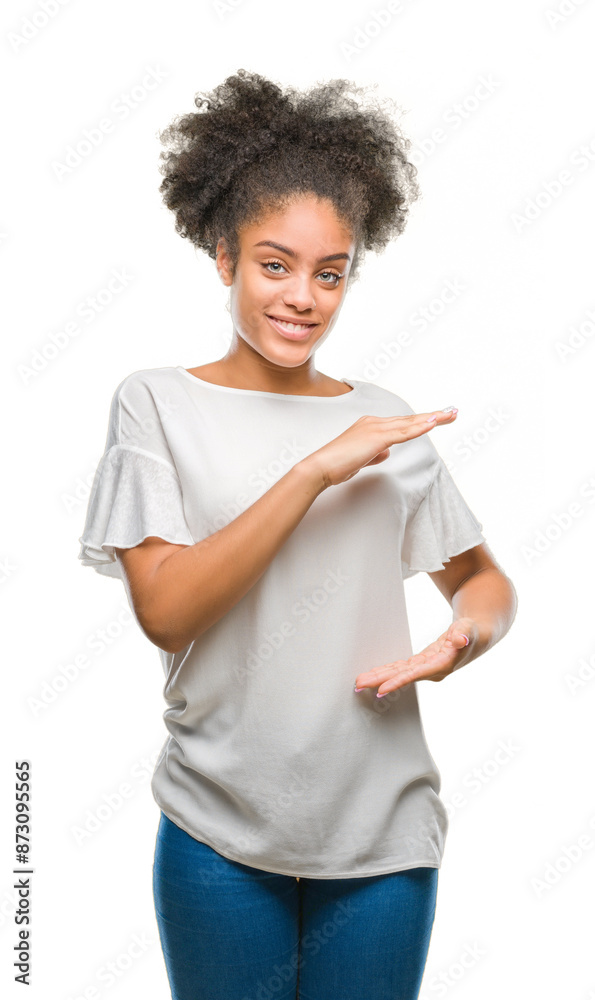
(291, 331)
(293, 327)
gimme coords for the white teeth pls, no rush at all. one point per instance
(292, 327)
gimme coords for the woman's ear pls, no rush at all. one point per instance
(224, 262)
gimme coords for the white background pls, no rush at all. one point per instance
(514, 913)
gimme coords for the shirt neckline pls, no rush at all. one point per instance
(273, 395)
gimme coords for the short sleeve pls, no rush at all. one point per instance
(440, 526)
(136, 490)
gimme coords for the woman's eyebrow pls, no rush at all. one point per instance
(291, 253)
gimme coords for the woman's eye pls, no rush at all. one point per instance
(331, 275)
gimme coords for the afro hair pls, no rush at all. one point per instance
(252, 147)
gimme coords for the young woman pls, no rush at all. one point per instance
(263, 516)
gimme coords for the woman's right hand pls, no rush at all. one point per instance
(368, 442)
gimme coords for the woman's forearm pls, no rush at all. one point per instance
(489, 598)
(194, 587)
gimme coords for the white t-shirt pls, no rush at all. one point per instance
(271, 757)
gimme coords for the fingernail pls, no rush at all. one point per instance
(465, 637)
(358, 689)
(381, 695)
(430, 419)
(447, 409)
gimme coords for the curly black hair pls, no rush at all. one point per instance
(252, 147)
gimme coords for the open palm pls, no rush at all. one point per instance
(446, 654)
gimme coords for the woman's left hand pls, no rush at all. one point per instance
(449, 652)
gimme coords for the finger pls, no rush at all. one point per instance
(395, 688)
(458, 639)
(371, 678)
(393, 678)
(397, 683)
(448, 413)
(421, 423)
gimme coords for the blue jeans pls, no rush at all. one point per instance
(229, 931)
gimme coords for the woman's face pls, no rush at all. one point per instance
(302, 279)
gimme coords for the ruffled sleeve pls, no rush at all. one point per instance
(134, 495)
(440, 526)
(136, 490)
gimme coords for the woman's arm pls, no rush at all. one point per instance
(179, 591)
(484, 605)
(476, 587)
